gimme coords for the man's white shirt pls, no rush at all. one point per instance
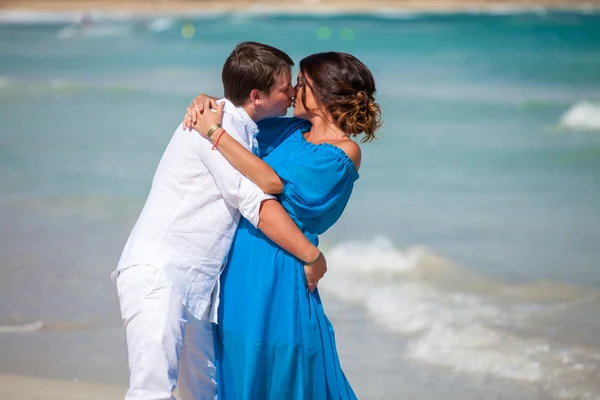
(192, 212)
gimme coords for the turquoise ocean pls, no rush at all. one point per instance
(467, 264)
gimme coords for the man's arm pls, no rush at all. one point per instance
(237, 190)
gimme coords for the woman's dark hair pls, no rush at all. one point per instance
(251, 66)
(346, 88)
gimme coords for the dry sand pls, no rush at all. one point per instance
(186, 6)
(15, 387)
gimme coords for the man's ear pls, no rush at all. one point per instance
(255, 96)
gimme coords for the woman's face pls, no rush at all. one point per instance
(303, 90)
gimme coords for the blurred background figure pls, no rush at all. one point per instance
(86, 21)
(467, 265)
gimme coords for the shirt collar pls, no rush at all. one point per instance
(241, 114)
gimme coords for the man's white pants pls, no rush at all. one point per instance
(164, 340)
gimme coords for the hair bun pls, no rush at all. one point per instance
(362, 98)
(358, 113)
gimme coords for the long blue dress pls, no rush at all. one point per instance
(273, 340)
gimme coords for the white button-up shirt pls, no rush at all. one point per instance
(192, 212)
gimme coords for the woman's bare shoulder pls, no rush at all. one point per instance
(352, 150)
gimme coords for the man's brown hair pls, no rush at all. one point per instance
(251, 66)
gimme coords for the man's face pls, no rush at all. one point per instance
(276, 103)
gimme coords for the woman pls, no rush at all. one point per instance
(273, 338)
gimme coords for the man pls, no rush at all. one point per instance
(167, 277)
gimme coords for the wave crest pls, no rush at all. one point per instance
(24, 327)
(583, 115)
(453, 317)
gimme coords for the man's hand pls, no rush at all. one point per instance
(196, 108)
(315, 272)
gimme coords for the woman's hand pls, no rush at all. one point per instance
(207, 115)
(196, 107)
(315, 272)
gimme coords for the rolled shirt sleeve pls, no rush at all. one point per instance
(250, 199)
(237, 190)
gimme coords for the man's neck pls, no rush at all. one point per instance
(251, 111)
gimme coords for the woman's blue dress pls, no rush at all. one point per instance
(273, 340)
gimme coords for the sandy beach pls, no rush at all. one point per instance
(447, 276)
(185, 6)
(16, 387)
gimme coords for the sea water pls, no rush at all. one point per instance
(467, 263)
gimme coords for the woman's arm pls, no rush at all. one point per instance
(238, 156)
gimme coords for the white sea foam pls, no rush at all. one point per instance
(479, 349)
(28, 327)
(97, 30)
(39, 17)
(160, 25)
(583, 115)
(454, 318)
(24, 16)
(68, 32)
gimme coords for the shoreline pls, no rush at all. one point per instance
(195, 7)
